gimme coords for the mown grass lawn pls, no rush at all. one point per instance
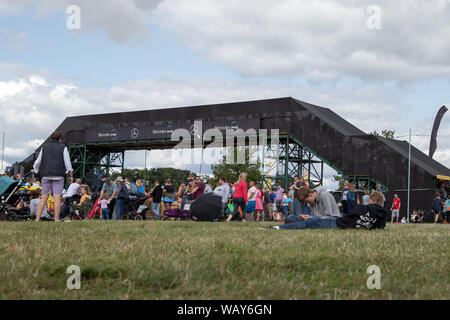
(187, 260)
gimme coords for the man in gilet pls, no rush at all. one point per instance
(53, 163)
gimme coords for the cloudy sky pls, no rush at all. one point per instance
(387, 73)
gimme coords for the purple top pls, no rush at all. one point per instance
(279, 196)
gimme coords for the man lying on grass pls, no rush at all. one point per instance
(370, 217)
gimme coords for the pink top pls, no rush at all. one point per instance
(259, 196)
(104, 203)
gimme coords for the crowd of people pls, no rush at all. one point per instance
(249, 202)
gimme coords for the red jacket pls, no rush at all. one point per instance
(240, 190)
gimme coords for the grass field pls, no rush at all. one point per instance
(187, 260)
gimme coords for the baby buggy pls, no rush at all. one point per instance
(135, 208)
(8, 188)
(417, 216)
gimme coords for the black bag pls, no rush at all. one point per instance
(207, 207)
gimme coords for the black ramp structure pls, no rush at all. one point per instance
(310, 135)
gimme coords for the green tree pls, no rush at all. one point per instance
(149, 176)
(231, 172)
(388, 134)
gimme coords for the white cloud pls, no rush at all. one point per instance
(33, 104)
(316, 39)
(123, 20)
(319, 40)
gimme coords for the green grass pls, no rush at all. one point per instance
(187, 260)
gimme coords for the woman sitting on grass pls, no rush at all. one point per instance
(368, 217)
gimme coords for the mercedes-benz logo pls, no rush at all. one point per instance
(134, 133)
(194, 130)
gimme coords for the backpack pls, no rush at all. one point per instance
(123, 192)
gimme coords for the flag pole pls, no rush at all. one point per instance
(409, 175)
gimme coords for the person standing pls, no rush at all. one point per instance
(199, 188)
(259, 208)
(366, 198)
(446, 218)
(104, 202)
(381, 190)
(122, 197)
(223, 190)
(251, 205)
(436, 207)
(279, 199)
(156, 194)
(240, 198)
(53, 163)
(285, 206)
(347, 198)
(297, 205)
(395, 208)
(110, 189)
(208, 188)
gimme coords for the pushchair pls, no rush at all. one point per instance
(8, 188)
(135, 208)
(418, 215)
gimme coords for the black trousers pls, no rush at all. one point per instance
(239, 202)
(111, 206)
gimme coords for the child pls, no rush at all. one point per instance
(103, 202)
(403, 221)
(436, 207)
(34, 203)
(285, 204)
(446, 218)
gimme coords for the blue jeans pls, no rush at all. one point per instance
(285, 211)
(105, 214)
(119, 208)
(297, 207)
(312, 223)
(155, 208)
(300, 208)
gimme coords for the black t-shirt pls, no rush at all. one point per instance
(157, 194)
(169, 189)
(368, 217)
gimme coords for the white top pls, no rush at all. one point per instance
(73, 189)
(251, 191)
(223, 191)
(37, 164)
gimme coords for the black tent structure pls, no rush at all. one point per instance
(309, 136)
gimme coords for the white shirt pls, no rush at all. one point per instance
(251, 191)
(37, 164)
(223, 191)
(73, 189)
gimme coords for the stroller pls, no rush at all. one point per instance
(8, 188)
(135, 208)
(418, 215)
